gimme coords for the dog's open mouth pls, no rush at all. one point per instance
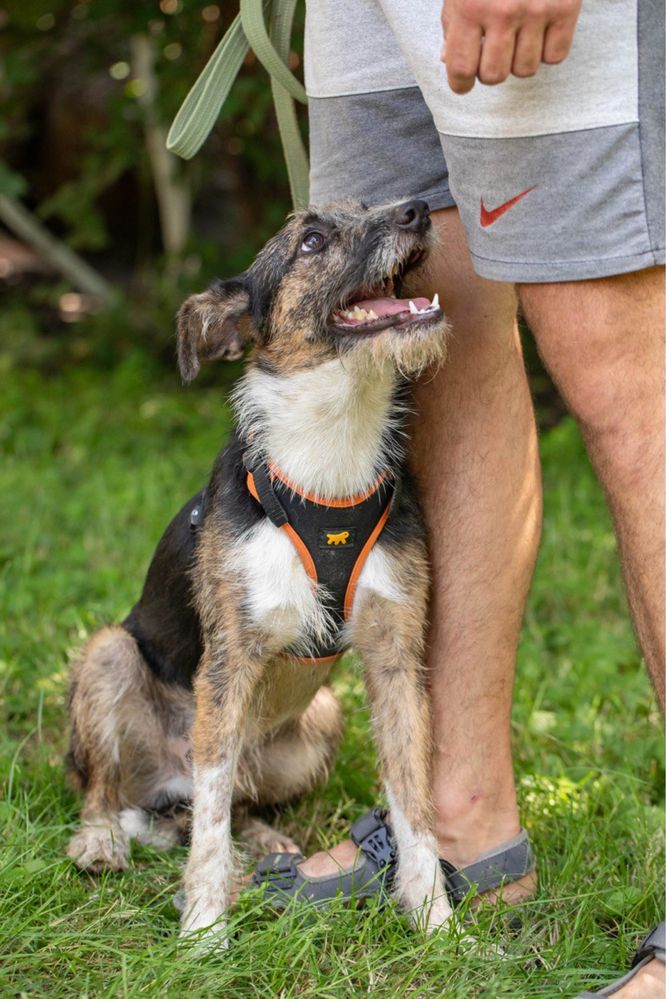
(374, 309)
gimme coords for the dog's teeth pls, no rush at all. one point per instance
(435, 302)
(372, 314)
(412, 308)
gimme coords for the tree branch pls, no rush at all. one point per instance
(171, 188)
(27, 227)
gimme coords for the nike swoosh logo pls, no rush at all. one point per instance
(487, 217)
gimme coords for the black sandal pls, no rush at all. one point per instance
(373, 872)
(653, 948)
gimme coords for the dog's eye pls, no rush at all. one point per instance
(313, 241)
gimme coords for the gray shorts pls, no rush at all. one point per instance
(556, 178)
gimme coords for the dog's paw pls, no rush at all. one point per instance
(259, 838)
(213, 940)
(99, 848)
(204, 930)
(436, 913)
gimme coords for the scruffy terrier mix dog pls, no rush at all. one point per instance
(306, 540)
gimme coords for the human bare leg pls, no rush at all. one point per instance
(476, 457)
(603, 342)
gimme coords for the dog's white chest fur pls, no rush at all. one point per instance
(326, 428)
(281, 597)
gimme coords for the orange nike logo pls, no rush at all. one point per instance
(488, 217)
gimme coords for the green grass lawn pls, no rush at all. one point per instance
(92, 468)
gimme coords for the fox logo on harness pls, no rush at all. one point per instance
(337, 539)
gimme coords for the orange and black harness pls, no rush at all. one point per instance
(333, 539)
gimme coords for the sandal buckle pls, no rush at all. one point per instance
(372, 835)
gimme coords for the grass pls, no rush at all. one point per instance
(93, 466)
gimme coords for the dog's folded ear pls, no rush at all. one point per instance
(215, 325)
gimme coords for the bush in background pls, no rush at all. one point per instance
(87, 91)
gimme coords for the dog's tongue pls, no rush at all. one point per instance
(391, 306)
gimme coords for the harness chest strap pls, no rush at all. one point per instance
(333, 539)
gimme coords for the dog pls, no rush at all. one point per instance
(307, 540)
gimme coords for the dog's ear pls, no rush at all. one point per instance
(214, 325)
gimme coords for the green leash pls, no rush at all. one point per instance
(201, 108)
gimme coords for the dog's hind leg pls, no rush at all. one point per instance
(128, 750)
(389, 633)
(286, 765)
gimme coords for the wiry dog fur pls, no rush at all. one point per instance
(203, 660)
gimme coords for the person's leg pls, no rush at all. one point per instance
(603, 342)
(475, 453)
(476, 458)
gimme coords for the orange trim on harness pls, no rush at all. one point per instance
(338, 503)
(293, 536)
(361, 560)
(309, 661)
(302, 550)
(252, 488)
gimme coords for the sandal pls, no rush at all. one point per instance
(652, 948)
(372, 874)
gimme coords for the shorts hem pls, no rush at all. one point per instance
(547, 272)
(436, 199)
(362, 93)
(563, 127)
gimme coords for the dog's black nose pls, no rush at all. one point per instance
(413, 215)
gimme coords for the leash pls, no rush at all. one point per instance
(203, 104)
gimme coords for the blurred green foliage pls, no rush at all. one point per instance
(73, 147)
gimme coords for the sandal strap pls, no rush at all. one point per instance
(279, 876)
(277, 870)
(373, 835)
(654, 945)
(508, 862)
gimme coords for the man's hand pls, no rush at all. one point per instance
(489, 39)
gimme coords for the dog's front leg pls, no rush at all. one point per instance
(223, 692)
(389, 637)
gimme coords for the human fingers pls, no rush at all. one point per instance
(558, 38)
(461, 52)
(497, 53)
(529, 49)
